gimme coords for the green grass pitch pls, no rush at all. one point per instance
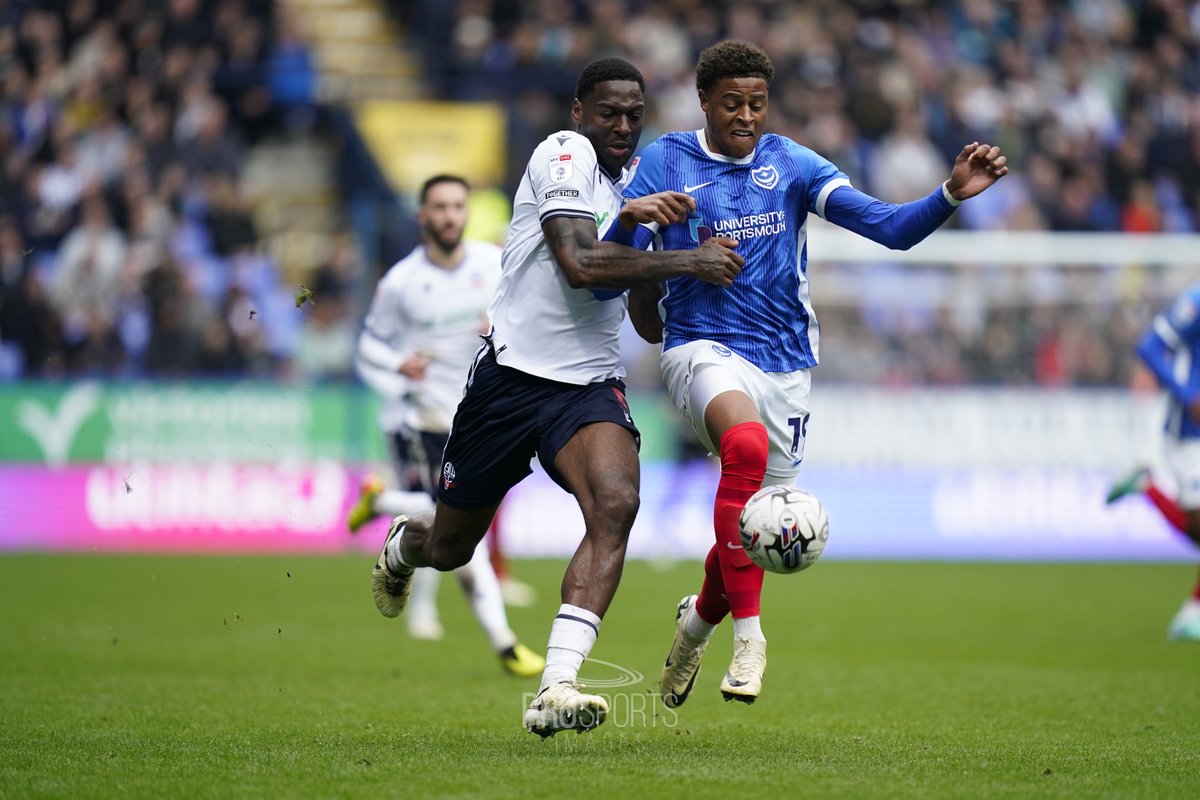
(144, 676)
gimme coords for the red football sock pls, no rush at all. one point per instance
(743, 465)
(1195, 593)
(711, 605)
(1169, 508)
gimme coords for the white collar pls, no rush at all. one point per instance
(717, 156)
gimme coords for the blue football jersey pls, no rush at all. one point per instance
(763, 201)
(1171, 348)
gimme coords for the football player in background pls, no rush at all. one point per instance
(1171, 349)
(736, 360)
(547, 382)
(421, 332)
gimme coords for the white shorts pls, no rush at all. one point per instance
(1182, 458)
(698, 371)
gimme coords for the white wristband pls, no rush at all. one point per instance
(949, 198)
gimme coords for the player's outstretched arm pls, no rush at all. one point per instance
(976, 168)
(588, 263)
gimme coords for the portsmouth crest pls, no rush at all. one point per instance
(766, 177)
(561, 168)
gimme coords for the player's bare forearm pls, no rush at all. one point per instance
(643, 313)
(588, 263)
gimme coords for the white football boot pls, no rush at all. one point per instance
(683, 661)
(743, 681)
(1186, 624)
(561, 707)
(391, 589)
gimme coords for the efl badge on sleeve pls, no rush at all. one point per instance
(560, 168)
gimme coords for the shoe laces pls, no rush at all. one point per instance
(690, 651)
(748, 659)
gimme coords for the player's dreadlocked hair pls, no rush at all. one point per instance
(732, 59)
(607, 69)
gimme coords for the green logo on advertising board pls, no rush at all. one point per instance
(53, 429)
(190, 422)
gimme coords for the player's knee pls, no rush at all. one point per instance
(447, 556)
(617, 504)
(744, 450)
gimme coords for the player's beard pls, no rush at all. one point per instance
(444, 244)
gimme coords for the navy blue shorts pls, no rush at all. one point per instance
(507, 417)
(417, 458)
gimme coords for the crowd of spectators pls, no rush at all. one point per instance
(1095, 102)
(128, 246)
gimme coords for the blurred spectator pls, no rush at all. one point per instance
(173, 349)
(229, 219)
(30, 341)
(327, 341)
(87, 287)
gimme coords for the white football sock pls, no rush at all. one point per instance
(392, 555)
(422, 603)
(748, 628)
(695, 626)
(571, 638)
(482, 589)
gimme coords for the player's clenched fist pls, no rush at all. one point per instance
(661, 208)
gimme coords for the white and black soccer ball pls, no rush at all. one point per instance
(784, 529)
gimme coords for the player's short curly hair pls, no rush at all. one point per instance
(438, 179)
(732, 59)
(607, 69)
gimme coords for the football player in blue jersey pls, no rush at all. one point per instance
(547, 381)
(1171, 349)
(736, 360)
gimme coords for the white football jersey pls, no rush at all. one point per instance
(421, 308)
(540, 325)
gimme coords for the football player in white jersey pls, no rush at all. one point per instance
(420, 336)
(736, 363)
(547, 383)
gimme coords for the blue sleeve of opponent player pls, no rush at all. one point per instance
(646, 178)
(897, 226)
(1177, 327)
(639, 238)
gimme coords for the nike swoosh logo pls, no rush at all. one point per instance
(689, 189)
(733, 546)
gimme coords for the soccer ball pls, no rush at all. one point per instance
(784, 529)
